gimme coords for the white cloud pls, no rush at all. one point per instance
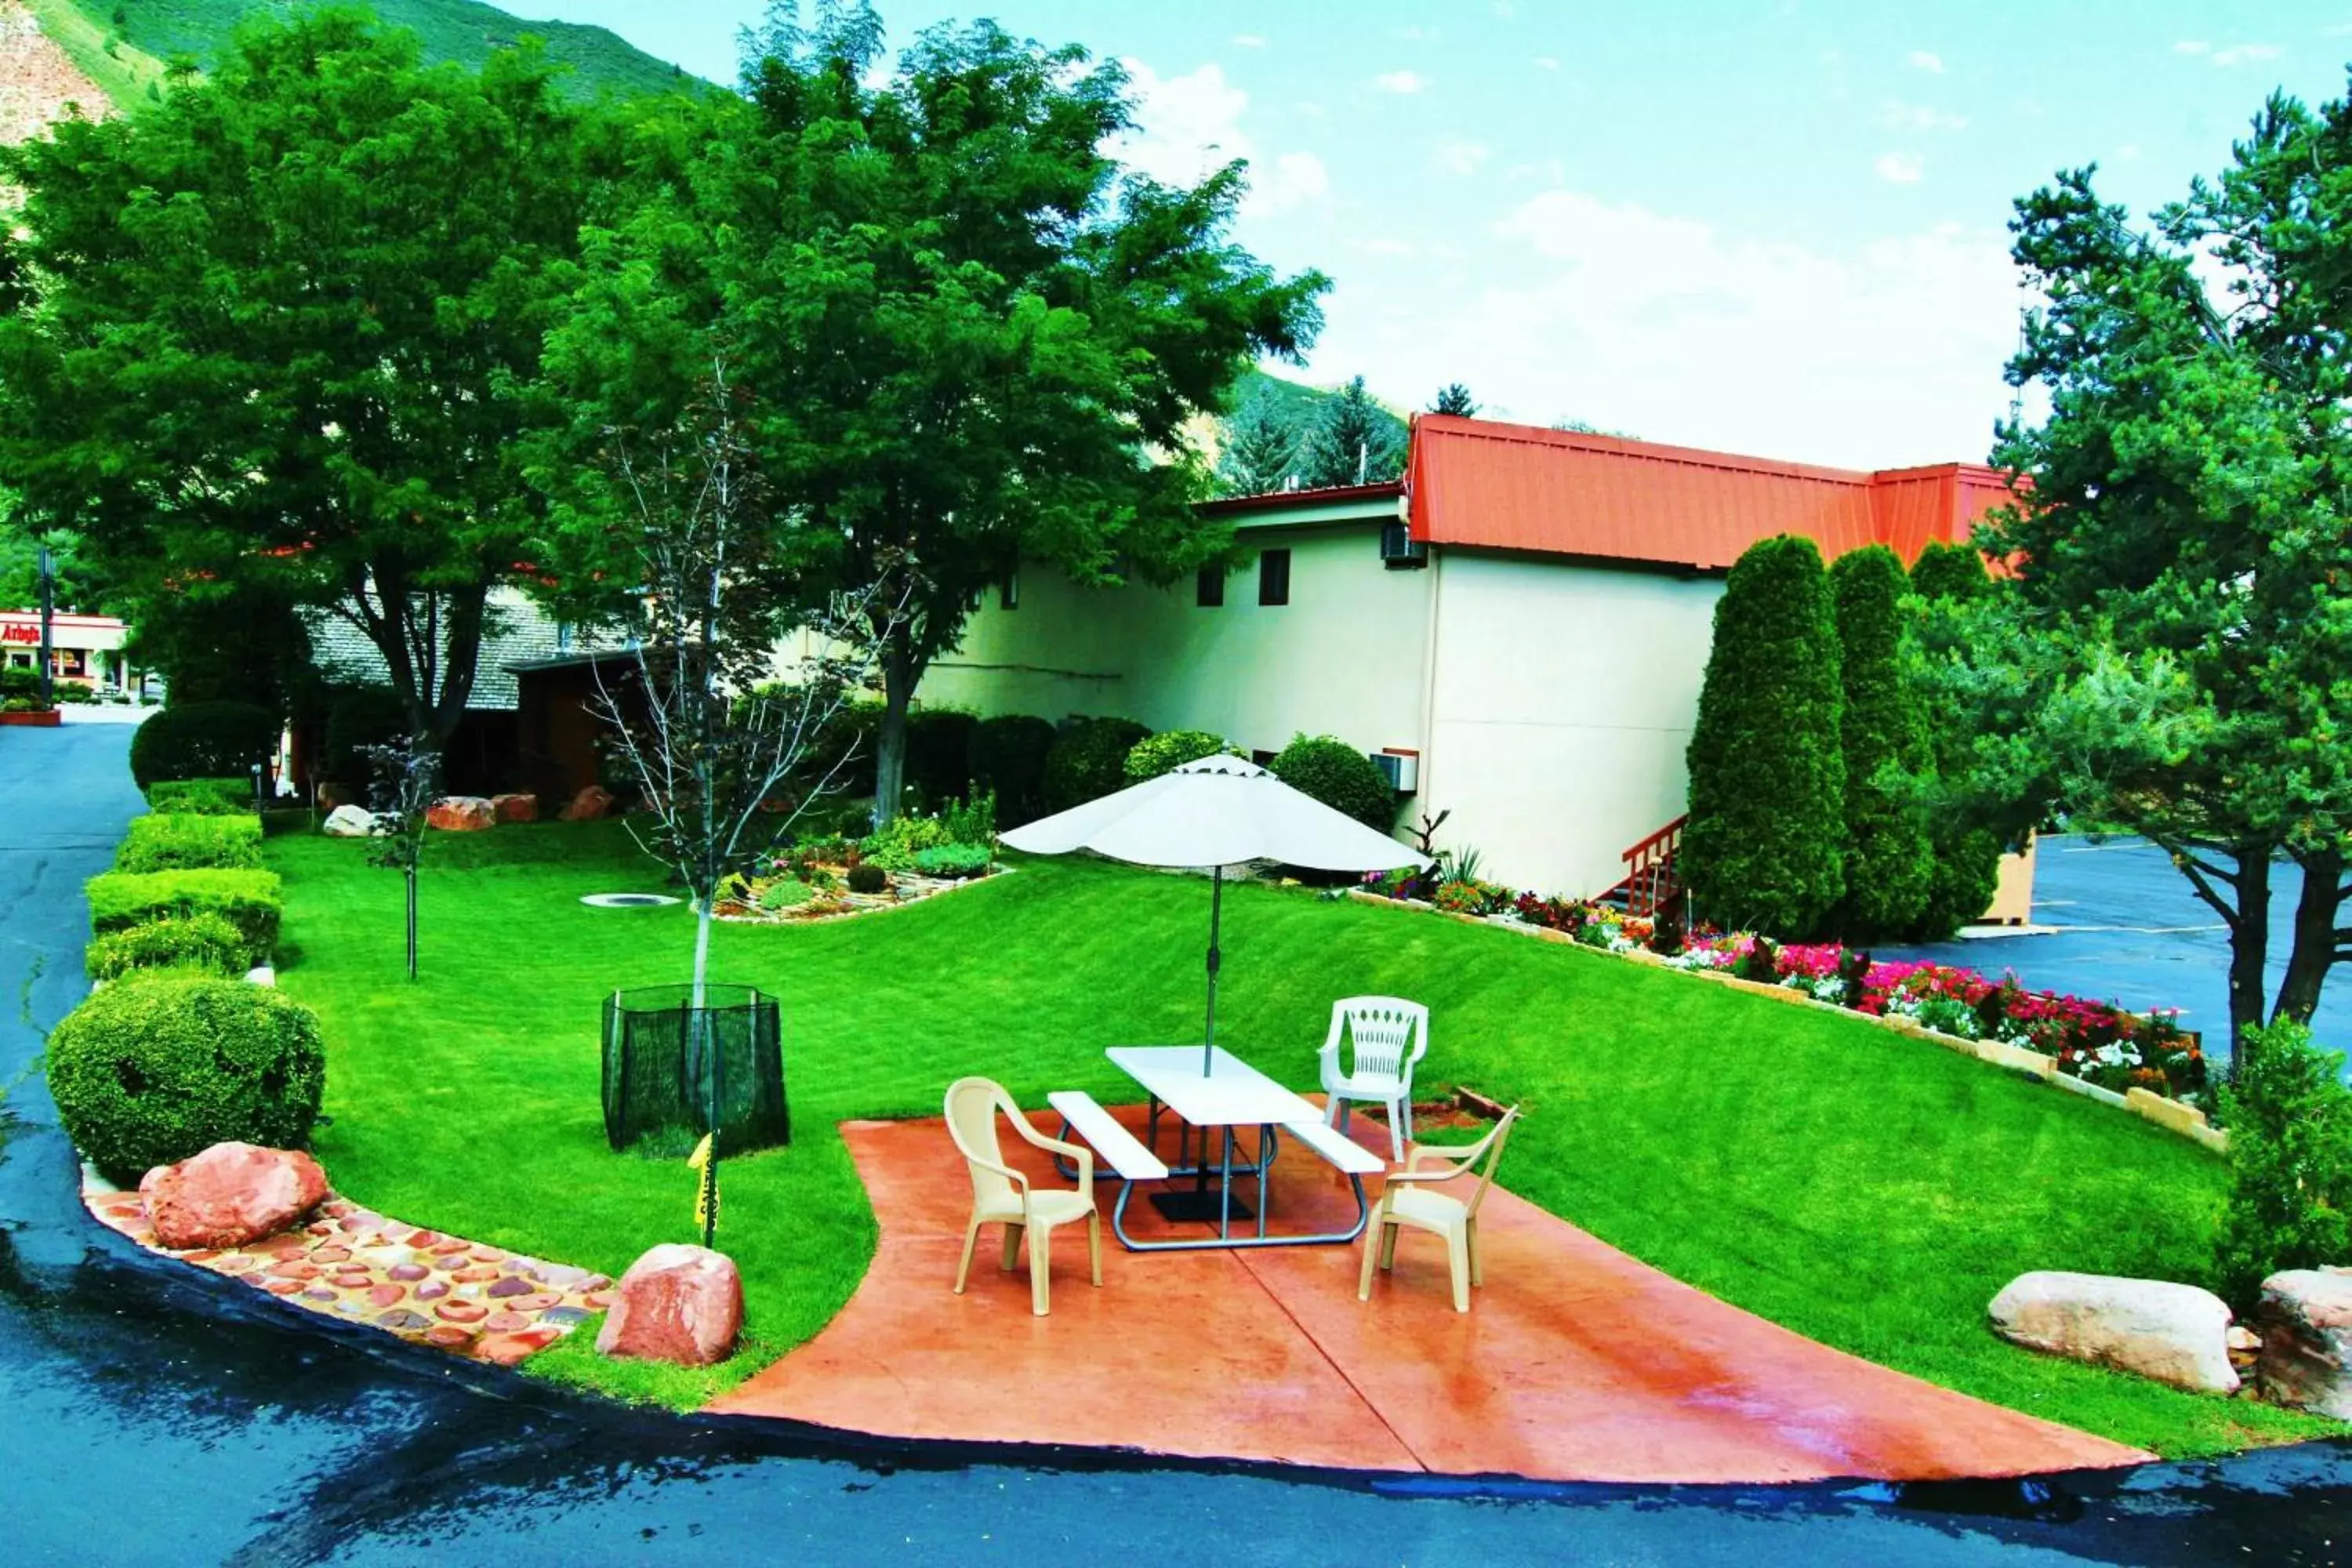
(1383, 246)
(1546, 62)
(1189, 126)
(1925, 61)
(1398, 81)
(1250, 40)
(1459, 157)
(2192, 47)
(1901, 116)
(1899, 168)
(2128, 151)
(2238, 53)
(1505, 9)
(1877, 354)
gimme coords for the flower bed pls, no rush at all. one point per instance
(832, 878)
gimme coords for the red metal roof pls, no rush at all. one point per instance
(1519, 487)
(1274, 500)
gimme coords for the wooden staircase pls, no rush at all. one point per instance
(1651, 881)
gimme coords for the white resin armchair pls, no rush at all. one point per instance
(1406, 1200)
(1003, 1196)
(1386, 1035)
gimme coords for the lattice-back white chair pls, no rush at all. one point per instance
(1387, 1035)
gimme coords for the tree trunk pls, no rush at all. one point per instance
(2250, 938)
(2314, 953)
(900, 673)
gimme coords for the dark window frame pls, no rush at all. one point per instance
(1273, 577)
(1209, 587)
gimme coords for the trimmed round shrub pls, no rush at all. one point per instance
(161, 1065)
(202, 942)
(1008, 757)
(252, 902)
(868, 879)
(1764, 850)
(938, 752)
(953, 860)
(171, 842)
(202, 798)
(202, 741)
(1157, 754)
(1089, 761)
(1340, 776)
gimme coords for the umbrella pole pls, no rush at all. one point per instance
(1216, 912)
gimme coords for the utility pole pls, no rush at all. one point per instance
(48, 569)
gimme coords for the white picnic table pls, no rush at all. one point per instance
(1231, 1094)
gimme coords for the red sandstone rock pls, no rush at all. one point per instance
(676, 1303)
(515, 807)
(591, 804)
(231, 1194)
(461, 814)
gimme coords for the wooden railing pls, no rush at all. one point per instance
(1651, 879)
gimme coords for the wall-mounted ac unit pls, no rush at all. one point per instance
(1401, 769)
(1400, 550)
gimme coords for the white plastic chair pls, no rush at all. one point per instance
(1389, 1035)
(1003, 1196)
(1405, 1200)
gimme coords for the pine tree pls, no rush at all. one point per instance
(1889, 863)
(1261, 450)
(1455, 398)
(1763, 850)
(1356, 444)
(1967, 855)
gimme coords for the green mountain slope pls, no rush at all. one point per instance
(465, 31)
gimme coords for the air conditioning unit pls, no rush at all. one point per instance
(1401, 769)
(1400, 550)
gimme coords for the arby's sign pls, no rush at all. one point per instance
(26, 632)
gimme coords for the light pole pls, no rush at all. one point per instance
(48, 570)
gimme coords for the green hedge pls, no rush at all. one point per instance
(253, 901)
(1340, 776)
(175, 842)
(1088, 760)
(939, 752)
(202, 798)
(207, 942)
(1157, 754)
(159, 1067)
(1008, 757)
(202, 741)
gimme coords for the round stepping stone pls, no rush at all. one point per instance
(506, 1322)
(403, 1321)
(319, 1294)
(320, 1227)
(433, 1289)
(233, 1263)
(597, 1300)
(351, 1278)
(331, 1253)
(461, 1311)
(448, 1336)
(387, 1295)
(294, 1270)
(407, 1271)
(537, 1301)
(202, 1254)
(479, 1274)
(489, 1255)
(291, 1252)
(448, 1245)
(563, 1317)
(425, 1239)
(512, 1285)
(282, 1287)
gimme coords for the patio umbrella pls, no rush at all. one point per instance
(1215, 812)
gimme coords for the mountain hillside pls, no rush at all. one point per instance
(136, 35)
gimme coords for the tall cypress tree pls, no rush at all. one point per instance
(1763, 850)
(1889, 864)
(1966, 855)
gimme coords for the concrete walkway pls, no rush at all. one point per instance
(1575, 1364)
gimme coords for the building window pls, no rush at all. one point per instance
(1008, 593)
(1263, 759)
(1208, 588)
(1273, 577)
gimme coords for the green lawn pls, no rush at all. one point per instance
(1866, 1189)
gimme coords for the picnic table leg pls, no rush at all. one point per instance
(1266, 1147)
(1225, 1189)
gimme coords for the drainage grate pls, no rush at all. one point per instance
(626, 900)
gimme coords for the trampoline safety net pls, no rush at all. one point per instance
(666, 1060)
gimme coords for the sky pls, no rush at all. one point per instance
(1774, 228)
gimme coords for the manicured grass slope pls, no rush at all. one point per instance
(465, 31)
(1863, 1188)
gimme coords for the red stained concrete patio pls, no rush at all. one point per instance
(1575, 1362)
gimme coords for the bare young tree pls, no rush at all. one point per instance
(404, 775)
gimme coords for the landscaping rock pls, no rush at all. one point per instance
(2174, 1334)
(515, 807)
(676, 1303)
(2305, 1321)
(231, 1194)
(349, 822)
(461, 814)
(591, 804)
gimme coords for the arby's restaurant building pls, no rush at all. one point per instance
(84, 649)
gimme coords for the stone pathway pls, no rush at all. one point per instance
(428, 1288)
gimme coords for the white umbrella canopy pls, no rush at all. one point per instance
(1215, 812)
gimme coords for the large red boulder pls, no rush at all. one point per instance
(231, 1194)
(677, 1303)
(589, 804)
(515, 807)
(461, 814)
